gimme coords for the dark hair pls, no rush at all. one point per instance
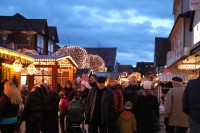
(101, 79)
(178, 79)
(93, 75)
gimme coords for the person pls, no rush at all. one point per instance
(92, 80)
(2, 86)
(33, 110)
(85, 87)
(191, 104)
(50, 119)
(127, 121)
(69, 93)
(9, 107)
(130, 92)
(100, 112)
(177, 120)
(119, 100)
(146, 110)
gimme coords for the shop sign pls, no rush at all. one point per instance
(44, 63)
(188, 66)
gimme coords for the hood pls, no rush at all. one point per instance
(126, 116)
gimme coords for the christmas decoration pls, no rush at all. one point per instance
(77, 53)
(17, 66)
(96, 63)
(27, 51)
(31, 69)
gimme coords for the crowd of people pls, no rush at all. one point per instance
(105, 105)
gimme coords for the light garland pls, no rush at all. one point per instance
(27, 51)
(31, 69)
(17, 66)
(97, 63)
(77, 53)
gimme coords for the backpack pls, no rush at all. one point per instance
(63, 103)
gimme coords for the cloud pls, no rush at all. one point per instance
(129, 25)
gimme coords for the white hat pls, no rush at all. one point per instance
(128, 105)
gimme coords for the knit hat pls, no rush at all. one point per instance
(101, 79)
(128, 105)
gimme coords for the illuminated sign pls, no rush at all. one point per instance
(188, 66)
(196, 33)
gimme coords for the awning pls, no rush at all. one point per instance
(168, 77)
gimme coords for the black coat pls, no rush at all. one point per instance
(146, 110)
(108, 107)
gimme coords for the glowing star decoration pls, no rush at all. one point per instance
(17, 66)
(77, 53)
(31, 69)
(97, 63)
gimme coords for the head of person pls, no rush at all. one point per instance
(133, 81)
(68, 84)
(128, 105)
(177, 81)
(93, 78)
(2, 86)
(112, 81)
(101, 82)
(147, 84)
(85, 77)
(12, 92)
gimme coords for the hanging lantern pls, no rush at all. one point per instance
(17, 66)
(31, 69)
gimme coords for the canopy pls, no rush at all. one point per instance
(168, 77)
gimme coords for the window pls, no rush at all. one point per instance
(62, 76)
(43, 75)
(40, 44)
(50, 48)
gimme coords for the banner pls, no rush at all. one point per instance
(195, 5)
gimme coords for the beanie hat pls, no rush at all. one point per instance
(101, 79)
(178, 79)
(128, 105)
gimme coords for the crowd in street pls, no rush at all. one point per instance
(102, 103)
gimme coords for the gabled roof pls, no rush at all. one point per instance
(14, 23)
(37, 24)
(53, 33)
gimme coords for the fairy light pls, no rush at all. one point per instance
(77, 53)
(97, 63)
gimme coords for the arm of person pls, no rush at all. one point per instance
(168, 104)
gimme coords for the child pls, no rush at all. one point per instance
(127, 121)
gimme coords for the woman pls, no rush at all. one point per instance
(146, 110)
(9, 106)
(69, 93)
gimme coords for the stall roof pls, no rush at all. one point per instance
(168, 77)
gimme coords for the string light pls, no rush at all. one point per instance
(97, 63)
(77, 53)
(27, 51)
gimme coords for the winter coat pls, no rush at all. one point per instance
(146, 110)
(130, 93)
(119, 100)
(127, 122)
(173, 107)
(191, 99)
(108, 108)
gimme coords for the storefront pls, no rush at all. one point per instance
(49, 69)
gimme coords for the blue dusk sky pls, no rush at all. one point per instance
(129, 25)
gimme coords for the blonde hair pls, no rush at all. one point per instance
(12, 92)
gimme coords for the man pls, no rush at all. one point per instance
(191, 104)
(130, 92)
(92, 80)
(177, 120)
(100, 113)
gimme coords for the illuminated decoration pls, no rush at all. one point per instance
(64, 62)
(96, 63)
(77, 53)
(10, 54)
(135, 74)
(31, 69)
(27, 51)
(188, 66)
(87, 62)
(17, 66)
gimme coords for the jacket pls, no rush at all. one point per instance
(127, 122)
(108, 108)
(191, 99)
(173, 107)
